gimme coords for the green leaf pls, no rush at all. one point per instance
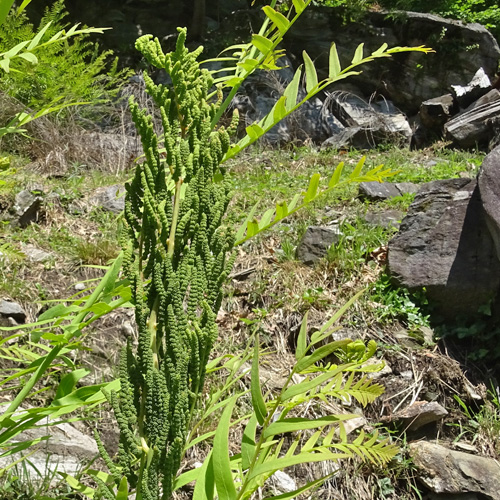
(334, 67)
(335, 179)
(258, 403)
(294, 201)
(205, 482)
(380, 51)
(69, 381)
(279, 109)
(5, 6)
(358, 168)
(281, 210)
(311, 75)
(78, 486)
(292, 91)
(281, 463)
(266, 218)
(312, 190)
(305, 386)
(252, 228)
(299, 6)
(248, 442)
(221, 464)
(278, 19)
(262, 43)
(320, 353)
(122, 493)
(301, 424)
(28, 56)
(300, 351)
(36, 40)
(358, 55)
(241, 230)
(254, 131)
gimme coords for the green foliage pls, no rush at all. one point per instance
(67, 71)
(398, 303)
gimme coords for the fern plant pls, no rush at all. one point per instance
(178, 253)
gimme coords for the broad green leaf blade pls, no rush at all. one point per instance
(248, 442)
(306, 385)
(28, 56)
(254, 131)
(204, 487)
(266, 218)
(294, 201)
(252, 228)
(381, 50)
(69, 381)
(122, 493)
(221, 463)
(278, 19)
(358, 55)
(5, 6)
(279, 109)
(36, 40)
(78, 486)
(311, 75)
(241, 230)
(320, 353)
(300, 424)
(335, 179)
(281, 463)
(312, 190)
(262, 43)
(281, 210)
(358, 168)
(292, 91)
(334, 67)
(300, 351)
(299, 6)
(258, 403)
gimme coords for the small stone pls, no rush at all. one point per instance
(377, 191)
(35, 255)
(316, 242)
(387, 218)
(420, 413)
(12, 310)
(27, 208)
(283, 482)
(80, 287)
(110, 198)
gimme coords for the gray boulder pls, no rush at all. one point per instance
(444, 245)
(406, 79)
(489, 189)
(451, 472)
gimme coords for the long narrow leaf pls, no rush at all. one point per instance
(221, 464)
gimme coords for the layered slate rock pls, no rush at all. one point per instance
(444, 245)
(489, 188)
(378, 191)
(27, 207)
(446, 471)
(316, 242)
(476, 125)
